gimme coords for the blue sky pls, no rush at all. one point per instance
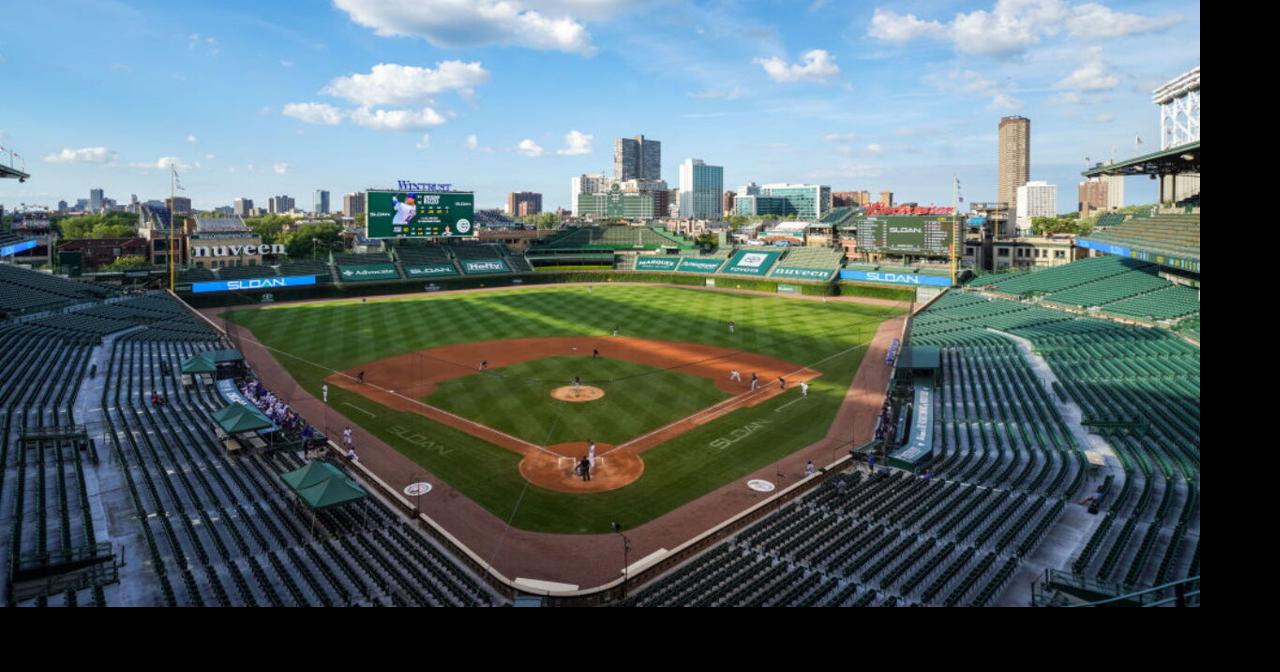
(262, 98)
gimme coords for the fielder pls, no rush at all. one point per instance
(804, 389)
(735, 377)
(577, 385)
(755, 381)
(324, 391)
(591, 454)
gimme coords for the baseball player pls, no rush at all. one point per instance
(804, 389)
(732, 326)
(324, 392)
(616, 328)
(591, 454)
(484, 364)
(577, 385)
(346, 437)
(782, 383)
(755, 381)
(735, 377)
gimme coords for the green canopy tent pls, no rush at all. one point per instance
(199, 364)
(321, 485)
(236, 418)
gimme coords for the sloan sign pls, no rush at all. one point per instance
(252, 284)
(236, 250)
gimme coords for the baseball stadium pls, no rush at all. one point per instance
(613, 415)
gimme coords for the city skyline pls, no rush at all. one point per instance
(268, 101)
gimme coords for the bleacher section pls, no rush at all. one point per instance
(426, 262)
(818, 264)
(369, 267)
(245, 272)
(46, 520)
(839, 216)
(1117, 286)
(1171, 240)
(24, 291)
(1139, 388)
(615, 238)
(229, 533)
(481, 259)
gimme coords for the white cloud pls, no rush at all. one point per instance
(192, 139)
(393, 84)
(576, 143)
(840, 137)
(1091, 76)
(163, 163)
(313, 113)
(970, 83)
(82, 155)
(528, 147)
(425, 142)
(286, 63)
(893, 27)
(397, 120)
(1013, 26)
(537, 24)
(818, 66)
(473, 142)
(1098, 21)
(875, 149)
(209, 157)
(280, 168)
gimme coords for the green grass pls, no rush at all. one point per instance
(517, 399)
(314, 340)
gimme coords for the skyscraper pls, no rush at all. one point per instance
(279, 205)
(1013, 159)
(637, 159)
(320, 203)
(353, 204)
(1035, 199)
(586, 184)
(244, 207)
(95, 199)
(701, 190)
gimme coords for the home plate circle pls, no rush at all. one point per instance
(416, 489)
(760, 485)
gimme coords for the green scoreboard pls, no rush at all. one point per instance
(905, 234)
(417, 214)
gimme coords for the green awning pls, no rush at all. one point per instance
(322, 485)
(220, 356)
(237, 418)
(333, 492)
(315, 472)
(199, 364)
(920, 357)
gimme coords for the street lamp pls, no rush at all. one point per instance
(626, 552)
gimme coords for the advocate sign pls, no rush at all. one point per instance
(236, 250)
(252, 284)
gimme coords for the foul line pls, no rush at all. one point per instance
(359, 409)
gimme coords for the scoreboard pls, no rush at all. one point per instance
(414, 214)
(925, 236)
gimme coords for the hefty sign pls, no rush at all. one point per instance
(252, 284)
(485, 267)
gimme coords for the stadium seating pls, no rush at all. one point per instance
(1060, 278)
(25, 291)
(231, 535)
(322, 271)
(1171, 234)
(245, 272)
(615, 237)
(817, 258)
(1168, 303)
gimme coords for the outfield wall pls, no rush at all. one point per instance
(356, 290)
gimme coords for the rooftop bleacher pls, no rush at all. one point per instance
(615, 237)
(1177, 235)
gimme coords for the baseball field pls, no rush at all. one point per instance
(670, 423)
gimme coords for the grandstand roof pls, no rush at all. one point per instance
(11, 172)
(920, 357)
(1165, 162)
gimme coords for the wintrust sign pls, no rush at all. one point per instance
(237, 250)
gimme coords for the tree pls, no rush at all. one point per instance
(1041, 226)
(126, 264)
(707, 241)
(109, 225)
(269, 227)
(313, 238)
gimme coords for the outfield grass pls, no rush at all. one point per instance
(314, 340)
(517, 399)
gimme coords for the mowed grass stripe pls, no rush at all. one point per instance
(517, 399)
(332, 335)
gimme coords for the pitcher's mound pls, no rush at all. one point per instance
(549, 470)
(581, 394)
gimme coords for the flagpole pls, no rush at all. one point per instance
(955, 225)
